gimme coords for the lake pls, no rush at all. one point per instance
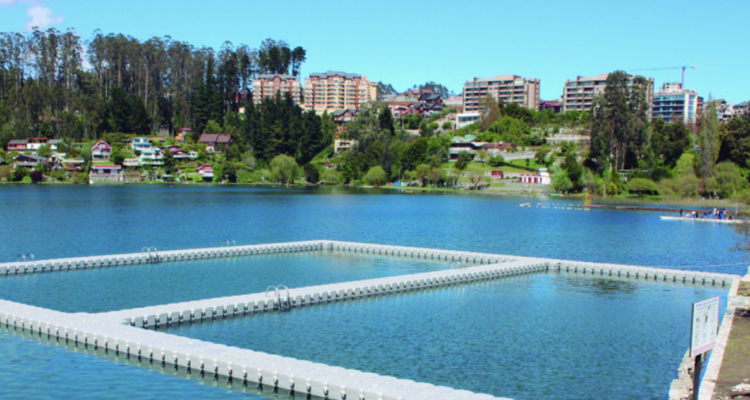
(64, 221)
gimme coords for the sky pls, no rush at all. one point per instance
(446, 41)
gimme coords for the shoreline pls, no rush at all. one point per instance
(605, 201)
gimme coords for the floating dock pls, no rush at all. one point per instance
(135, 333)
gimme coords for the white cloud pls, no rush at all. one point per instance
(41, 17)
(8, 3)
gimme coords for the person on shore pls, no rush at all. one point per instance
(680, 213)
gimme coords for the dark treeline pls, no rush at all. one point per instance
(54, 84)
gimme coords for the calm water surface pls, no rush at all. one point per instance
(73, 221)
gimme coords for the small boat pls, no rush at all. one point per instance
(691, 219)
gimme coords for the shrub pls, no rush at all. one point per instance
(686, 186)
(5, 173)
(375, 176)
(463, 160)
(81, 178)
(332, 177)
(642, 186)
(311, 173)
(497, 161)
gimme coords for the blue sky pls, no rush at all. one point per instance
(410, 42)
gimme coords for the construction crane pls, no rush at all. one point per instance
(682, 67)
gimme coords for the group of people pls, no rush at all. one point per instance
(716, 213)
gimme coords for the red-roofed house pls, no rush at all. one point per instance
(105, 173)
(101, 150)
(216, 142)
(17, 145)
(206, 172)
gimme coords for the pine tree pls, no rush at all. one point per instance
(385, 120)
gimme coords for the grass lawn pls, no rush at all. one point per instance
(532, 164)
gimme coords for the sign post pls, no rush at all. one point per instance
(704, 327)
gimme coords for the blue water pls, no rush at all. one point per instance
(65, 221)
(523, 338)
(108, 289)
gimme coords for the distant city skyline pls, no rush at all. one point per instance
(405, 43)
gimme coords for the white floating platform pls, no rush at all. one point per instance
(123, 331)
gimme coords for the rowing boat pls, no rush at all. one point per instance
(691, 219)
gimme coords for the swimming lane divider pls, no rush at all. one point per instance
(117, 260)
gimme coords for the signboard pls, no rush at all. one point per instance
(704, 326)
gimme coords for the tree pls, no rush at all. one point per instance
(490, 111)
(560, 181)
(463, 160)
(422, 173)
(618, 131)
(170, 164)
(311, 173)
(573, 170)
(709, 140)
(735, 141)
(44, 151)
(476, 178)
(375, 176)
(283, 169)
(385, 120)
(436, 88)
(331, 177)
(383, 89)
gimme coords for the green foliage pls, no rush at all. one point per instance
(124, 113)
(44, 151)
(19, 173)
(669, 141)
(81, 178)
(375, 176)
(541, 156)
(573, 169)
(385, 120)
(311, 173)
(118, 156)
(463, 160)
(729, 179)
(213, 127)
(560, 181)
(682, 186)
(331, 177)
(642, 186)
(170, 164)
(5, 173)
(384, 89)
(496, 161)
(619, 130)
(59, 175)
(735, 142)
(422, 172)
(436, 88)
(709, 140)
(283, 169)
(685, 165)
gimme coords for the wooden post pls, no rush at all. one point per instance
(697, 370)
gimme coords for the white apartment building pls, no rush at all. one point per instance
(333, 91)
(673, 103)
(579, 93)
(508, 88)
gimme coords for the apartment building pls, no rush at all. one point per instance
(266, 85)
(673, 103)
(333, 91)
(508, 88)
(579, 93)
